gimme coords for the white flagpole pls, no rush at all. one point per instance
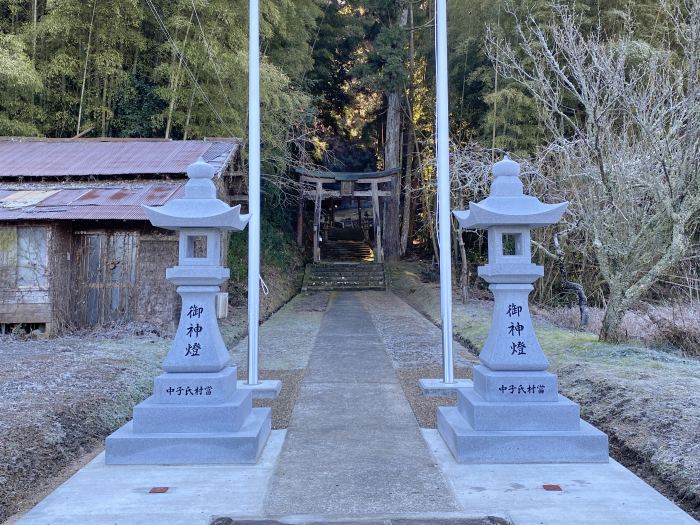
(443, 174)
(253, 191)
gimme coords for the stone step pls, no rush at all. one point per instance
(347, 276)
(341, 279)
(369, 268)
(335, 288)
(344, 276)
(344, 285)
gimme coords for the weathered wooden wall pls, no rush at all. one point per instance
(157, 301)
(61, 276)
(24, 283)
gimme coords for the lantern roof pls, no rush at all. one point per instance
(200, 208)
(507, 205)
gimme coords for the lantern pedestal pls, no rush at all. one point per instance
(192, 418)
(585, 445)
(514, 412)
(196, 414)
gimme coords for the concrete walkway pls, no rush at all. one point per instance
(353, 450)
(353, 446)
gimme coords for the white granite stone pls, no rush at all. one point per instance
(125, 447)
(514, 413)
(561, 414)
(515, 386)
(198, 345)
(153, 417)
(196, 388)
(512, 343)
(587, 445)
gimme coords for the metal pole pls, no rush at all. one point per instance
(443, 174)
(253, 191)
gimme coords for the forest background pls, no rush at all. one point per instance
(598, 99)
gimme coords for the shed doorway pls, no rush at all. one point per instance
(105, 288)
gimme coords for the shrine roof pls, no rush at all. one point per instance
(124, 202)
(30, 158)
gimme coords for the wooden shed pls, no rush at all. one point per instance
(76, 248)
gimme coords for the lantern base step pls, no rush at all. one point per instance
(586, 445)
(562, 414)
(153, 417)
(125, 447)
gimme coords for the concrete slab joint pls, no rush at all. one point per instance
(514, 413)
(197, 414)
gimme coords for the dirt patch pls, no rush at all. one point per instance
(284, 404)
(58, 400)
(425, 407)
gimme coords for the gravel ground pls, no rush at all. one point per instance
(414, 345)
(284, 404)
(646, 400)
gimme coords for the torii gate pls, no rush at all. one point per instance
(344, 184)
(443, 173)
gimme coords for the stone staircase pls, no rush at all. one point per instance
(347, 251)
(344, 276)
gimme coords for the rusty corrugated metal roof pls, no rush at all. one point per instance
(117, 203)
(76, 158)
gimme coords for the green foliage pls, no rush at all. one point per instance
(19, 81)
(112, 65)
(277, 244)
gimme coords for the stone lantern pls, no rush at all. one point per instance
(196, 414)
(514, 412)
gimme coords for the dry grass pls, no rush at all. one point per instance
(674, 328)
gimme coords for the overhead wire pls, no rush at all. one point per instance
(180, 55)
(211, 56)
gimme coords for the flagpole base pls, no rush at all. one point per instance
(267, 389)
(438, 387)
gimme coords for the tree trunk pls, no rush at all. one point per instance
(189, 108)
(104, 108)
(176, 82)
(571, 286)
(34, 21)
(392, 159)
(410, 150)
(87, 58)
(464, 269)
(612, 331)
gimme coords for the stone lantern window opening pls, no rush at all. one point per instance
(200, 247)
(512, 244)
(509, 244)
(196, 247)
